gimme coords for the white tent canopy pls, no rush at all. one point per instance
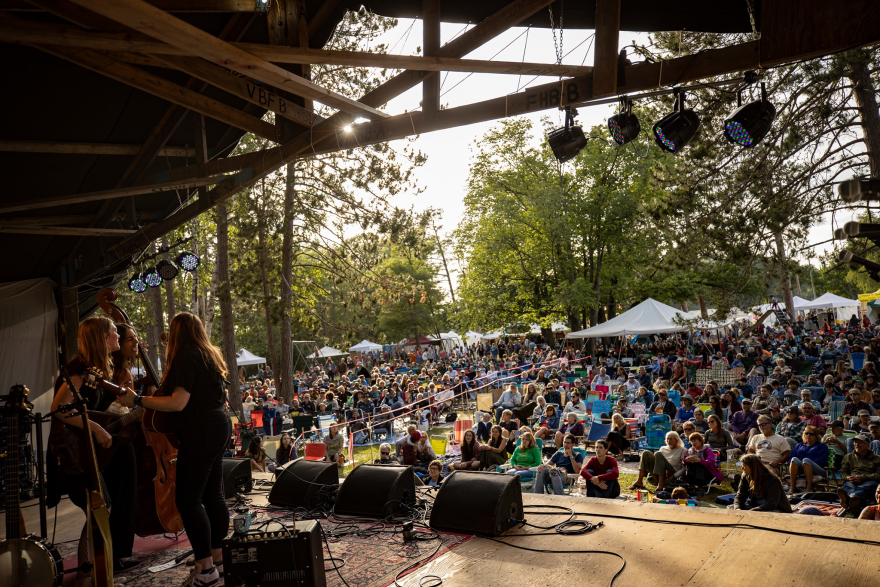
(449, 340)
(365, 346)
(555, 327)
(828, 300)
(473, 337)
(649, 317)
(493, 335)
(327, 352)
(245, 357)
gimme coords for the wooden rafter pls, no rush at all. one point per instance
(605, 55)
(241, 87)
(47, 220)
(162, 88)
(161, 25)
(66, 231)
(139, 49)
(106, 194)
(320, 17)
(70, 148)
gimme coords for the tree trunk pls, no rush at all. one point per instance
(156, 327)
(208, 303)
(704, 311)
(783, 271)
(684, 306)
(169, 287)
(866, 101)
(270, 330)
(445, 265)
(285, 374)
(227, 323)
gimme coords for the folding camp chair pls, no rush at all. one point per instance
(458, 430)
(316, 451)
(655, 431)
(438, 443)
(598, 431)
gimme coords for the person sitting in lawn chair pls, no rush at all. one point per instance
(562, 463)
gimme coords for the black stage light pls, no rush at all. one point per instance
(873, 269)
(624, 126)
(137, 283)
(854, 190)
(152, 277)
(188, 261)
(567, 141)
(748, 124)
(839, 234)
(676, 129)
(167, 269)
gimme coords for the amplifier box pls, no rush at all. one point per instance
(276, 557)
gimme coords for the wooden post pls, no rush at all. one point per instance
(431, 44)
(69, 317)
(605, 60)
(201, 148)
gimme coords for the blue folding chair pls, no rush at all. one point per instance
(598, 431)
(655, 431)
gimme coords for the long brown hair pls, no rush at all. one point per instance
(468, 447)
(93, 349)
(121, 365)
(186, 331)
(759, 474)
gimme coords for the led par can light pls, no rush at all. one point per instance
(188, 261)
(167, 269)
(137, 283)
(152, 277)
(751, 122)
(624, 126)
(676, 129)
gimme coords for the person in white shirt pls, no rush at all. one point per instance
(771, 447)
(600, 379)
(248, 406)
(632, 386)
(575, 405)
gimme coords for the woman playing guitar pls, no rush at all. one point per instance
(98, 337)
(194, 376)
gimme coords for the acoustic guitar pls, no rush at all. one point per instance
(70, 444)
(25, 559)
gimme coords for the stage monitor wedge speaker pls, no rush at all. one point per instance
(375, 491)
(237, 477)
(478, 502)
(302, 483)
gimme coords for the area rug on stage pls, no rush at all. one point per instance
(371, 559)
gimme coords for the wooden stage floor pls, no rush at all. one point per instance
(657, 555)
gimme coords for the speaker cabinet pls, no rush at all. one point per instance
(375, 491)
(302, 483)
(237, 477)
(477, 502)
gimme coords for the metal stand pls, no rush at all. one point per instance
(41, 477)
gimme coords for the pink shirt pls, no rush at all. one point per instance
(815, 420)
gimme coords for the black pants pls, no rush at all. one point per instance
(619, 442)
(696, 474)
(199, 491)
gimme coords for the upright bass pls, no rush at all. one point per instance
(157, 455)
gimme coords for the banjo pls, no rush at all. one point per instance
(25, 559)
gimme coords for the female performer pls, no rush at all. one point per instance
(98, 337)
(195, 375)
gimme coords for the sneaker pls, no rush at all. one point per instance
(199, 579)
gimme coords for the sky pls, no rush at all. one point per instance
(449, 152)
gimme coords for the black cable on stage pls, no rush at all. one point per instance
(745, 526)
(610, 584)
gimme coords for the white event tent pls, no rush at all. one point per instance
(245, 357)
(473, 337)
(845, 308)
(327, 352)
(365, 346)
(649, 317)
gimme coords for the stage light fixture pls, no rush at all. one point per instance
(188, 261)
(873, 269)
(167, 269)
(839, 234)
(152, 277)
(262, 6)
(624, 126)
(675, 130)
(855, 190)
(567, 142)
(748, 124)
(137, 283)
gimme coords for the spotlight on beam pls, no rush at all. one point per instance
(839, 234)
(188, 261)
(167, 269)
(624, 126)
(567, 141)
(152, 277)
(675, 130)
(137, 283)
(855, 190)
(748, 124)
(845, 256)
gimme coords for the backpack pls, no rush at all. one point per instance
(451, 417)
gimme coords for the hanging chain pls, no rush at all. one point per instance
(553, 28)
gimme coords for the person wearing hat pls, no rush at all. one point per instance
(806, 397)
(854, 404)
(621, 408)
(792, 427)
(773, 449)
(686, 411)
(632, 386)
(837, 441)
(861, 475)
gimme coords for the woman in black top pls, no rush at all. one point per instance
(98, 337)
(285, 453)
(195, 376)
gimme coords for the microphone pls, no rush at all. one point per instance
(845, 256)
